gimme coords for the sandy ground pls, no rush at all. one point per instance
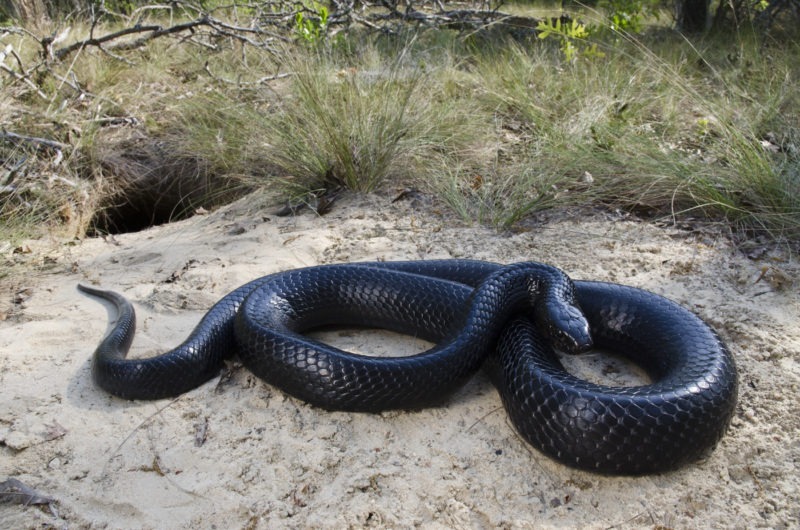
(236, 453)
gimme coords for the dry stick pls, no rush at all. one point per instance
(17, 58)
(69, 71)
(117, 57)
(160, 32)
(158, 467)
(113, 121)
(365, 22)
(74, 85)
(153, 7)
(241, 38)
(259, 81)
(226, 30)
(626, 521)
(190, 38)
(480, 420)
(62, 52)
(39, 142)
(240, 29)
(9, 50)
(462, 19)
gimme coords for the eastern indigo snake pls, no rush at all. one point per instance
(510, 316)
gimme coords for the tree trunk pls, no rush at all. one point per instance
(692, 15)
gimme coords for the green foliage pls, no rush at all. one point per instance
(629, 15)
(312, 29)
(572, 35)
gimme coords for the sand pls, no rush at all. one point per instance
(236, 453)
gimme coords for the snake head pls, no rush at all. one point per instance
(564, 325)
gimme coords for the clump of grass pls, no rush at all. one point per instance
(228, 134)
(496, 194)
(348, 124)
(647, 133)
(38, 195)
(361, 120)
(39, 189)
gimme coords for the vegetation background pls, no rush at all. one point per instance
(116, 115)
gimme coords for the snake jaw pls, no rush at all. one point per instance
(574, 341)
(565, 327)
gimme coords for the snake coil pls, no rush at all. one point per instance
(513, 315)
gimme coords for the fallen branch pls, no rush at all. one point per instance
(155, 31)
(161, 31)
(99, 41)
(218, 24)
(40, 143)
(456, 19)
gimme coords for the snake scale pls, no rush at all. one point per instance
(510, 318)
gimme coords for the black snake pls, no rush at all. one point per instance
(473, 310)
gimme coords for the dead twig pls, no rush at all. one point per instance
(142, 424)
(160, 32)
(218, 27)
(9, 50)
(41, 143)
(260, 81)
(99, 41)
(240, 29)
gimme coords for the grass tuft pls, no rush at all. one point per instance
(649, 131)
(353, 122)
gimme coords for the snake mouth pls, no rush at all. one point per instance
(573, 341)
(564, 326)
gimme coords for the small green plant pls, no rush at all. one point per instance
(629, 15)
(573, 35)
(703, 128)
(312, 29)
